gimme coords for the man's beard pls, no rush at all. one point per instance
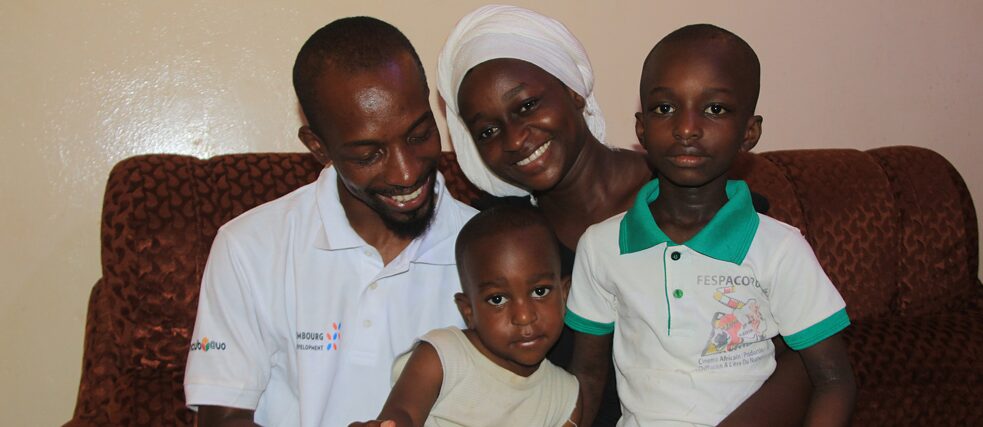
(416, 225)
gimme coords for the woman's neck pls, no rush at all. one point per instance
(601, 183)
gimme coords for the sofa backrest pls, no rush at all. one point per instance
(894, 227)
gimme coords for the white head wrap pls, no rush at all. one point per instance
(496, 31)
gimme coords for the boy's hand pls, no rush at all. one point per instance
(374, 423)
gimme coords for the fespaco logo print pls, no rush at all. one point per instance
(205, 345)
(328, 340)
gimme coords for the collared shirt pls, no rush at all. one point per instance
(693, 322)
(299, 319)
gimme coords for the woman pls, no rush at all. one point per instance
(523, 119)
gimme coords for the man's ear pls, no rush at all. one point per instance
(752, 133)
(314, 144)
(464, 306)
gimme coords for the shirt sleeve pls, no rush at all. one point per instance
(228, 363)
(591, 307)
(806, 305)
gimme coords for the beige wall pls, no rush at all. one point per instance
(85, 84)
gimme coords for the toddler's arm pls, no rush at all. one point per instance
(833, 387)
(591, 354)
(414, 393)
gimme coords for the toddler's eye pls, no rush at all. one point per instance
(715, 109)
(663, 109)
(540, 292)
(497, 300)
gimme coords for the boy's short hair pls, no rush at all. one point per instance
(497, 221)
(708, 32)
(348, 45)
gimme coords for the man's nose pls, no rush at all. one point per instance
(404, 167)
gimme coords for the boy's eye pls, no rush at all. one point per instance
(715, 109)
(528, 104)
(663, 109)
(541, 292)
(497, 300)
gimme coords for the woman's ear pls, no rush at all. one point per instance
(314, 144)
(578, 101)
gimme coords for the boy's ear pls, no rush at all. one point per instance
(578, 100)
(314, 144)
(752, 133)
(464, 306)
(640, 128)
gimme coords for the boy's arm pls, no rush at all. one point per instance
(221, 416)
(833, 387)
(783, 398)
(414, 393)
(591, 354)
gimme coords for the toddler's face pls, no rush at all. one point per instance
(696, 112)
(514, 298)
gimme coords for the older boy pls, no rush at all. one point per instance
(695, 280)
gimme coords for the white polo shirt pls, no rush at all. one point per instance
(693, 322)
(299, 319)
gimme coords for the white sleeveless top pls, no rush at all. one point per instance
(477, 392)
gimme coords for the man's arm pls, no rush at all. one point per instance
(591, 356)
(833, 386)
(221, 416)
(414, 393)
(782, 400)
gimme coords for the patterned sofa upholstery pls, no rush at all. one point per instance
(894, 227)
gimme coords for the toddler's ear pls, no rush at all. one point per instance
(464, 307)
(565, 286)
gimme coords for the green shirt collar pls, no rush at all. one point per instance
(726, 237)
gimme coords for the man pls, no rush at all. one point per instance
(306, 300)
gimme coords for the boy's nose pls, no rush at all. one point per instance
(687, 127)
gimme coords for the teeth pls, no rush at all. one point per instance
(404, 198)
(535, 154)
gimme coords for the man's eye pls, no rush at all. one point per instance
(664, 109)
(496, 300)
(541, 292)
(421, 138)
(368, 159)
(528, 105)
(715, 109)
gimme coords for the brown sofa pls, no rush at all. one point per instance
(894, 227)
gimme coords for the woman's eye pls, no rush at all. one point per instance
(496, 300)
(485, 134)
(528, 105)
(540, 292)
(715, 109)
(664, 109)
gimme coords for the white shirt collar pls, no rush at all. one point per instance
(434, 246)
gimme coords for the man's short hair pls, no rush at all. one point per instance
(346, 45)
